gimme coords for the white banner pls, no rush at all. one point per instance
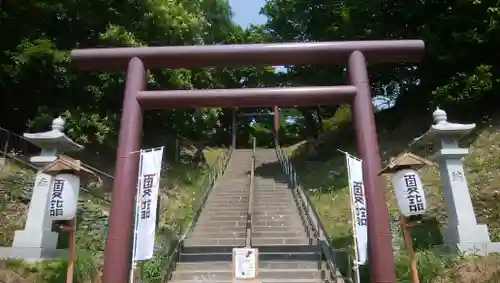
(358, 207)
(147, 196)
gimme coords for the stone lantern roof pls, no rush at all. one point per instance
(54, 139)
(443, 129)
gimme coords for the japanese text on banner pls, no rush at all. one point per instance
(147, 198)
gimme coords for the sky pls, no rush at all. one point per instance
(246, 12)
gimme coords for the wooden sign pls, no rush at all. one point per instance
(245, 265)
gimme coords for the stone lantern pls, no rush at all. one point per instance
(462, 231)
(36, 240)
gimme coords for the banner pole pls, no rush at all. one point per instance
(136, 219)
(353, 220)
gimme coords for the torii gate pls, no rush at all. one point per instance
(276, 123)
(137, 98)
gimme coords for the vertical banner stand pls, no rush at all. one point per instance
(355, 267)
(356, 262)
(136, 219)
(146, 209)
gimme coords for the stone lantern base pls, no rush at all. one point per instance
(470, 240)
(33, 245)
(31, 254)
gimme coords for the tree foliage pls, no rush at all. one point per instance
(458, 70)
(37, 81)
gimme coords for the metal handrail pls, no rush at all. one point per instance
(251, 197)
(311, 214)
(216, 171)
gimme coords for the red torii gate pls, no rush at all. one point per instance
(137, 98)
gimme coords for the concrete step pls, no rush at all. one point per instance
(225, 212)
(227, 202)
(208, 250)
(242, 196)
(287, 195)
(218, 229)
(287, 206)
(282, 204)
(278, 234)
(217, 217)
(221, 217)
(264, 273)
(220, 191)
(274, 213)
(274, 199)
(279, 209)
(212, 229)
(281, 241)
(274, 188)
(277, 217)
(218, 203)
(272, 194)
(298, 228)
(218, 235)
(263, 280)
(271, 187)
(233, 184)
(280, 256)
(223, 224)
(262, 264)
(276, 222)
(228, 195)
(195, 242)
(216, 206)
(265, 252)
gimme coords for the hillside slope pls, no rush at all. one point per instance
(326, 179)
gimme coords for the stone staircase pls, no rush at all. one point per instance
(287, 252)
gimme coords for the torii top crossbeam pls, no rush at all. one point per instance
(275, 54)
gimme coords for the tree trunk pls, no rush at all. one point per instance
(311, 132)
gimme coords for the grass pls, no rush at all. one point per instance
(181, 189)
(326, 180)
